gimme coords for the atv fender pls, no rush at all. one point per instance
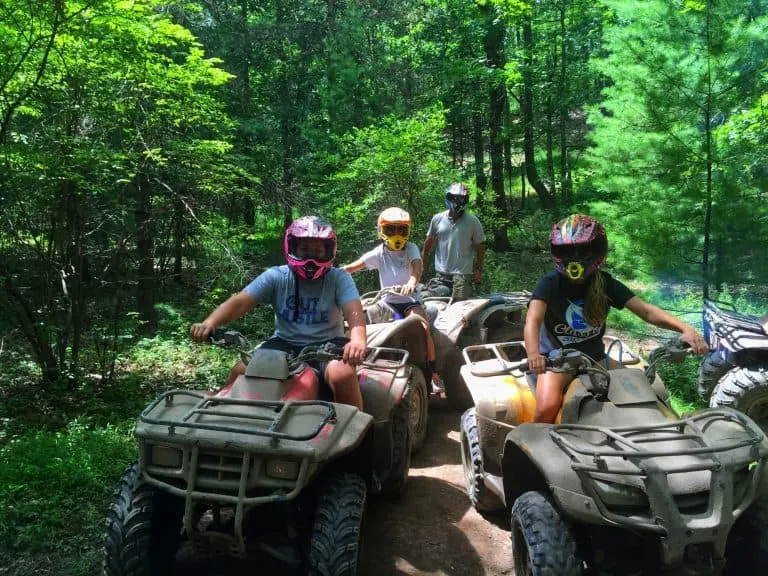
(533, 462)
(410, 334)
(382, 387)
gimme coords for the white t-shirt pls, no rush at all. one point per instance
(394, 267)
(456, 242)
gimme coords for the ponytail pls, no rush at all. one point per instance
(596, 302)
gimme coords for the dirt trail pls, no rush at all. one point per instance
(432, 531)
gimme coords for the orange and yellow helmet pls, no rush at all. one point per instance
(394, 227)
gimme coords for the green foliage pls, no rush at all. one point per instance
(398, 162)
(678, 76)
(54, 488)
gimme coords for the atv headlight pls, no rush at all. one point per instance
(614, 494)
(283, 469)
(165, 456)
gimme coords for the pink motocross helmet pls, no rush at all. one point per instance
(312, 227)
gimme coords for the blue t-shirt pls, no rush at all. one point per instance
(320, 315)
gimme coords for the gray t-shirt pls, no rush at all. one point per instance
(320, 316)
(394, 268)
(455, 242)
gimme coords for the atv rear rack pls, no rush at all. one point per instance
(208, 404)
(658, 509)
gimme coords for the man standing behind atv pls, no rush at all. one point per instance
(399, 264)
(569, 306)
(311, 300)
(459, 237)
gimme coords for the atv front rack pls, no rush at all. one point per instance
(207, 406)
(597, 453)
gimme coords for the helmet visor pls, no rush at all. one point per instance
(396, 229)
(575, 252)
(318, 249)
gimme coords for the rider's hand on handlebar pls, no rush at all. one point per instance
(407, 289)
(201, 331)
(537, 363)
(354, 352)
(695, 341)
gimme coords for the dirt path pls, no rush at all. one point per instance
(432, 531)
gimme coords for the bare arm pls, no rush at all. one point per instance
(663, 319)
(354, 351)
(429, 243)
(355, 266)
(416, 268)
(534, 319)
(236, 306)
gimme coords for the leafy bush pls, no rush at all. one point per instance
(54, 487)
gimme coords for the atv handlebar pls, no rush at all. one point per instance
(330, 351)
(570, 360)
(566, 360)
(313, 352)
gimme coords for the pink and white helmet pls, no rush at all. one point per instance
(310, 227)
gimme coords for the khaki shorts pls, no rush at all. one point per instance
(462, 285)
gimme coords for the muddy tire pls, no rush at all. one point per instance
(456, 391)
(542, 543)
(746, 390)
(472, 462)
(419, 408)
(746, 551)
(712, 368)
(335, 544)
(143, 528)
(396, 481)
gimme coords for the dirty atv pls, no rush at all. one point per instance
(454, 325)
(735, 372)
(264, 464)
(620, 484)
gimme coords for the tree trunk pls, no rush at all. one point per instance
(494, 52)
(705, 272)
(287, 127)
(477, 129)
(522, 185)
(550, 145)
(509, 176)
(178, 239)
(245, 72)
(144, 242)
(564, 100)
(527, 112)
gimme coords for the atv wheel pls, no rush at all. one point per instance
(335, 543)
(712, 368)
(746, 390)
(456, 391)
(419, 408)
(143, 528)
(542, 543)
(472, 462)
(397, 478)
(746, 551)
